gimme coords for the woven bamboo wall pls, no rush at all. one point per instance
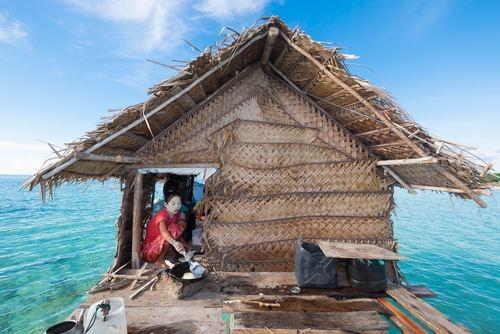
(287, 171)
(292, 174)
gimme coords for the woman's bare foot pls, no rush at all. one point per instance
(160, 263)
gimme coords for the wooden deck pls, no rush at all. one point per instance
(254, 303)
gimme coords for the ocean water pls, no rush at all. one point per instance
(51, 255)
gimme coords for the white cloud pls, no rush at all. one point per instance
(490, 155)
(143, 26)
(146, 26)
(22, 158)
(222, 9)
(10, 146)
(11, 31)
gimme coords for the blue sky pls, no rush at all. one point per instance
(64, 63)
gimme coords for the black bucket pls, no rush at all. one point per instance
(312, 268)
(65, 327)
(367, 275)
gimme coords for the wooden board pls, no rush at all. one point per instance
(344, 250)
(353, 322)
(256, 303)
(424, 312)
(280, 283)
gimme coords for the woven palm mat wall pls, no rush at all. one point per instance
(279, 182)
(255, 96)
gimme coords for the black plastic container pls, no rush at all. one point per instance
(65, 327)
(312, 268)
(367, 275)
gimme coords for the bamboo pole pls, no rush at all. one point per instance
(399, 162)
(400, 180)
(472, 195)
(108, 158)
(484, 192)
(137, 221)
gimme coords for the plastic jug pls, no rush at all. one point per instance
(112, 323)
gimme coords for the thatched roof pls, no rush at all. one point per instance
(319, 73)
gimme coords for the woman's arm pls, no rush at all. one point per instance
(164, 231)
(182, 222)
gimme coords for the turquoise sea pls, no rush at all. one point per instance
(50, 255)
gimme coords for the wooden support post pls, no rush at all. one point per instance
(472, 195)
(400, 180)
(137, 222)
(268, 48)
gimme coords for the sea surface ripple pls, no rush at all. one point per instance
(51, 255)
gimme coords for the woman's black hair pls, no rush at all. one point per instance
(170, 187)
(170, 196)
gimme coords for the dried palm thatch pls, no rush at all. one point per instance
(370, 121)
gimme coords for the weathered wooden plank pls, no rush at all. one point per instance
(423, 311)
(345, 250)
(256, 303)
(298, 331)
(159, 298)
(259, 279)
(401, 320)
(143, 317)
(182, 327)
(280, 283)
(356, 322)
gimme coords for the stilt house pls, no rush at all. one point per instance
(301, 148)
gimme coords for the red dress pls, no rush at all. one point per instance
(153, 243)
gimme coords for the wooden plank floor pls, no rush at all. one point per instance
(157, 312)
(255, 303)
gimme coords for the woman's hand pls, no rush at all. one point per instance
(178, 246)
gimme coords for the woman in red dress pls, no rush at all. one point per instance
(164, 232)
